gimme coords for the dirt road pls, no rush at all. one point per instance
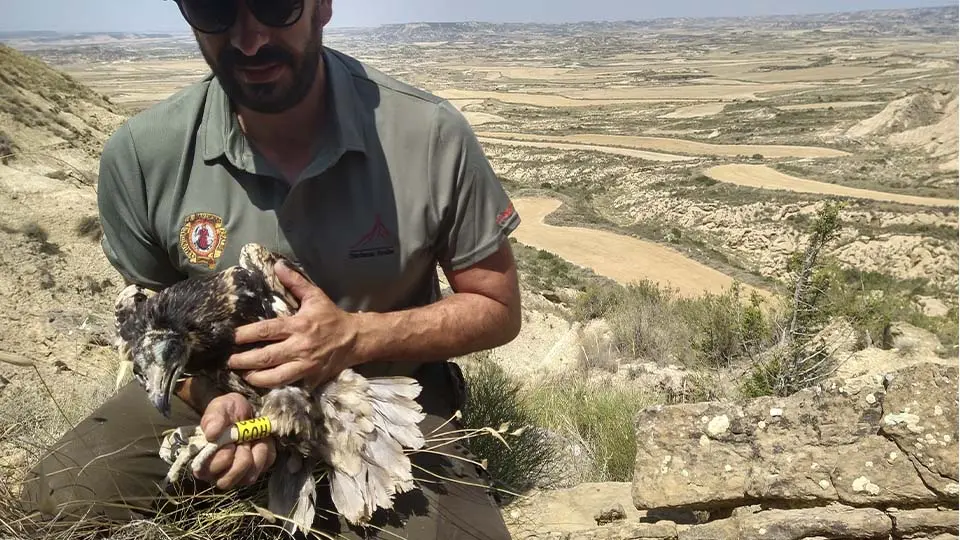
(629, 152)
(662, 144)
(621, 258)
(764, 177)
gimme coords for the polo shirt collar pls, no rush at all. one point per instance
(221, 134)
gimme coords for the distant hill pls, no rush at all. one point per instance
(41, 107)
(939, 21)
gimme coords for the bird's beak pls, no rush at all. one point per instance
(160, 385)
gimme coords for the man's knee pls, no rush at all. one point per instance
(108, 465)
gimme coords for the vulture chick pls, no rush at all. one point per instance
(357, 428)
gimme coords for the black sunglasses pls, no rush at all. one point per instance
(215, 16)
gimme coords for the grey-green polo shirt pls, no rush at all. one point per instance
(399, 184)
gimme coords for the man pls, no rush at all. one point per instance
(369, 184)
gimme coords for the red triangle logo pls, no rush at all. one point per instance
(378, 235)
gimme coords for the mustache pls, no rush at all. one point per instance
(268, 54)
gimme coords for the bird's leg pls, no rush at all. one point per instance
(209, 448)
(294, 416)
(180, 446)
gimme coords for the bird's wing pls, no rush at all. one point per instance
(367, 424)
(292, 491)
(257, 258)
(128, 301)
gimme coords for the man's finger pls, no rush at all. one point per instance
(260, 358)
(265, 330)
(280, 375)
(242, 462)
(214, 421)
(299, 286)
(263, 456)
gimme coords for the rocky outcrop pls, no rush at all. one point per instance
(862, 445)
(873, 457)
(830, 522)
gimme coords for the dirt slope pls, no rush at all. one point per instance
(939, 140)
(915, 110)
(57, 287)
(50, 116)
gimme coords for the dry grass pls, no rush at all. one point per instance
(594, 420)
(41, 418)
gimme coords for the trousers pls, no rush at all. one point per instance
(108, 467)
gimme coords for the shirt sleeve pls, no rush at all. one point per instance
(121, 199)
(476, 214)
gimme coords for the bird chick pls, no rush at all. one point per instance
(357, 428)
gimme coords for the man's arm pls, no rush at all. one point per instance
(483, 313)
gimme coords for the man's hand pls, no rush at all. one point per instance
(315, 344)
(233, 464)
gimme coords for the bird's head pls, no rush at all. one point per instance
(159, 359)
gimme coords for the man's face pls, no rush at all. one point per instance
(264, 68)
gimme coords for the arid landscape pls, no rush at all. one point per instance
(666, 172)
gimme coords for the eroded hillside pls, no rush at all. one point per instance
(58, 289)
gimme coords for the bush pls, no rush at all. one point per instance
(596, 417)
(89, 227)
(7, 148)
(873, 300)
(656, 324)
(493, 399)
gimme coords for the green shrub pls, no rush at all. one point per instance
(493, 398)
(596, 416)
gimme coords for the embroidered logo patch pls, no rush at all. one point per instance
(202, 238)
(502, 217)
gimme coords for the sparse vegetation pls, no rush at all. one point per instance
(541, 270)
(38, 236)
(654, 323)
(89, 227)
(7, 148)
(595, 418)
(493, 399)
(577, 426)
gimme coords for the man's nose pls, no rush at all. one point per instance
(247, 34)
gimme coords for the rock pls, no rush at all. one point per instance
(822, 445)
(872, 362)
(724, 529)
(829, 522)
(908, 338)
(921, 418)
(610, 515)
(664, 530)
(568, 510)
(839, 338)
(924, 521)
(932, 307)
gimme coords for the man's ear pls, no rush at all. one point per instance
(324, 11)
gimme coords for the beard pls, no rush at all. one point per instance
(270, 97)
